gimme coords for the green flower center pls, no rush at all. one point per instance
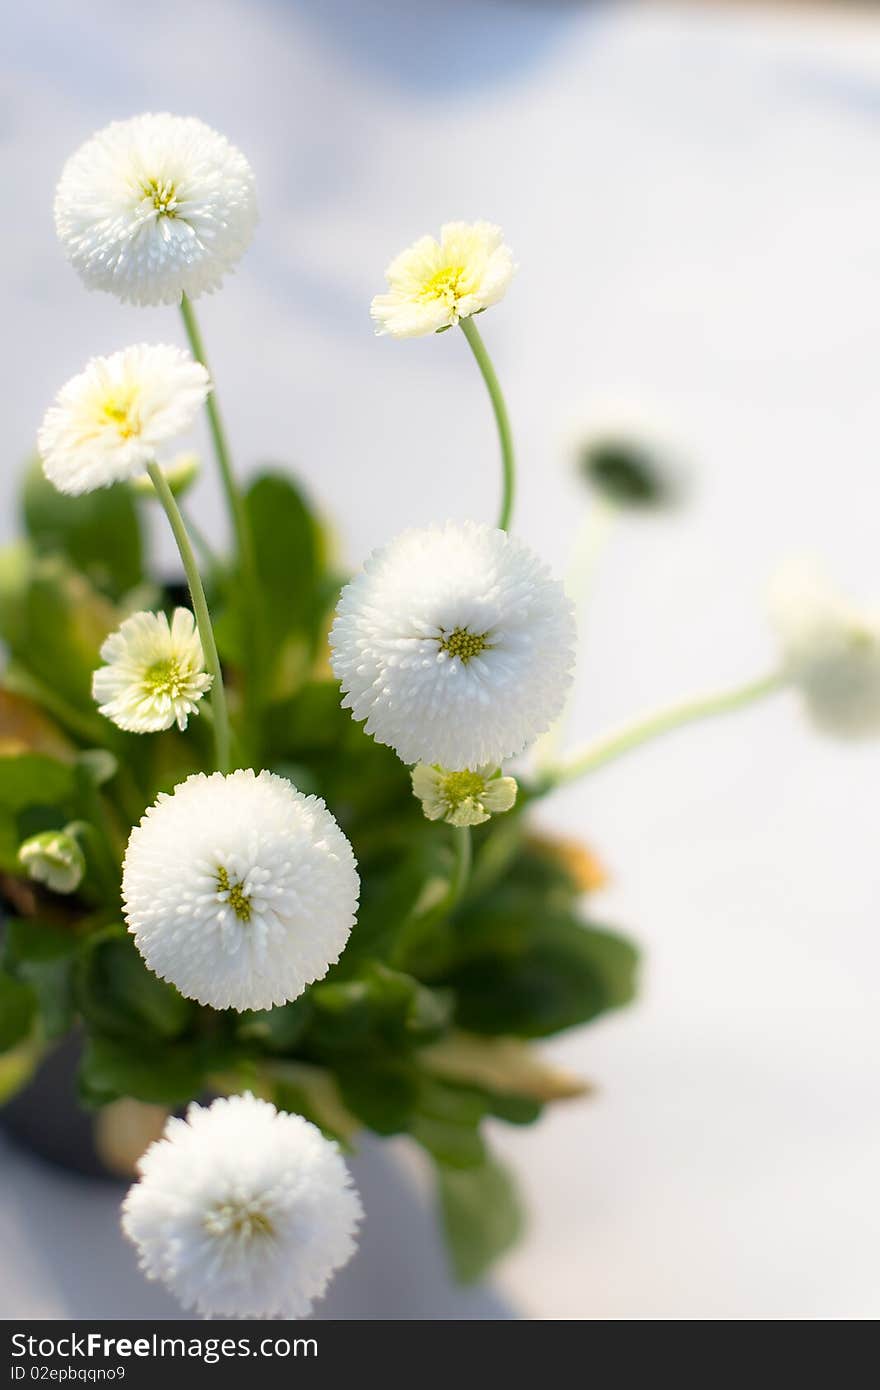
(460, 786)
(463, 644)
(238, 1219)
(163, 196)
(237, 898)
(444, 284)
(164, 677)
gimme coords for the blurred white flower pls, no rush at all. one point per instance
(155, 207)
(455, 645)
(243, 1211)
(831, 651)
(431, 285)
(54, 858)
(462, 798)
(155, 673)
(239, 889)
(107, 422)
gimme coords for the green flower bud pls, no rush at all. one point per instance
(54, 858)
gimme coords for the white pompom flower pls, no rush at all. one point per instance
(463, 798)
(433, 284)
(108, 422)
(155, 207)
(243, 1211)
(831, 651)
(455, 645)
(155, 673)
(239, 890)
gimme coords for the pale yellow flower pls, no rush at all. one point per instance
(433, 284)
(462, 798)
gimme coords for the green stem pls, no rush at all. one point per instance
(620, 741)
(462, 870)
(234, 498)
(203, 617)
(502, 420)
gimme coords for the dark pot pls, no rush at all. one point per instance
(46, 1119)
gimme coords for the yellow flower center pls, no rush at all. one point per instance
(236, 897)
(238, 1219)
(460, 786)
(463, 644)
(163, 196)
(447, 283)
(119, 407)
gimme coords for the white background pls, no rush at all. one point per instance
(692, 195)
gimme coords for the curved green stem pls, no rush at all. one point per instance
(502, 420)
(620, 741)
(202, 615)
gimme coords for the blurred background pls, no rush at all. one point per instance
(692, 194)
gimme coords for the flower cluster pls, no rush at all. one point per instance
(453, 646)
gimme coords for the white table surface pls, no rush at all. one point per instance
(694, 201)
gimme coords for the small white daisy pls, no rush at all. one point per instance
(462, 798)
(455, 645)
(433, 284)
(239, 889)
(55, 859)
(108, 422)
(243, 1211)
(155, 207)
(831, 651)
(155, 673)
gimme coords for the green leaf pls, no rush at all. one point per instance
(18, 1006)
(118, 996)
(382, 1093)
(313, 1092)
(99, 533)
(481, 1216)
(165, 1075)
(446, 1122)
(41, 956)
(289, 557)
(32, 779)
(277, 1030)
(531, 974)
(53, 621)
(377, 1008)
